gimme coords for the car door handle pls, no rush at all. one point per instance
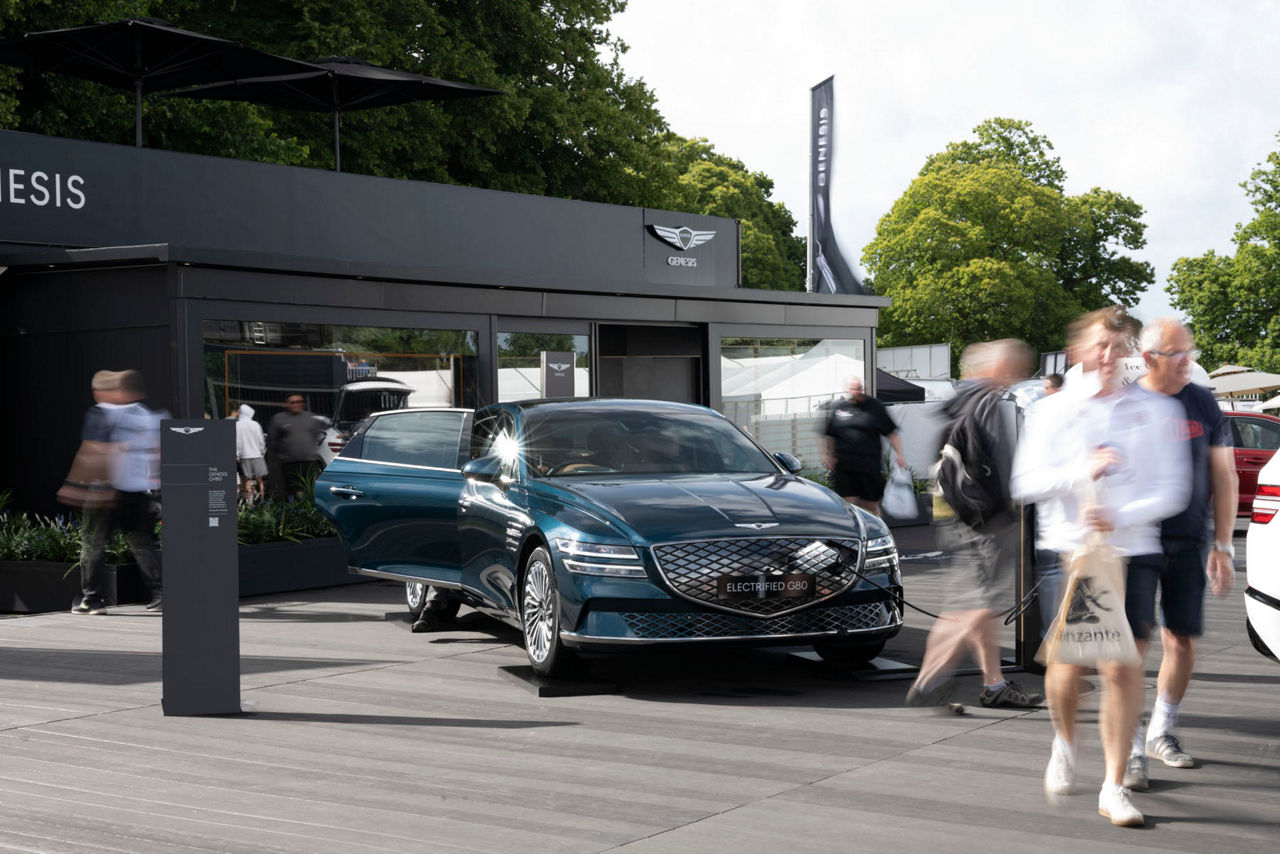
(345, 491)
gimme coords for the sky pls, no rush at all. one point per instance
(1172, 103)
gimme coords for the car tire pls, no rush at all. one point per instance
(848, 653)
(540, 617)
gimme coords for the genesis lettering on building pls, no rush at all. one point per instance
(40, 188)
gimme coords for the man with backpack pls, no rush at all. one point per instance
(973, 476)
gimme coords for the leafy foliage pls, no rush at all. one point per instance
(984, 244)
(1233, 301)
(711, 183)
(48, 538)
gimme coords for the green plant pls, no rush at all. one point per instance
(292, 520)
(58, 538)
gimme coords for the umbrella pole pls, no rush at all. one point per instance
(337, 150)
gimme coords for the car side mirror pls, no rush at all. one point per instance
(484, 469)
(789, 462)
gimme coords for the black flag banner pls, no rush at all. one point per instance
(828, 272)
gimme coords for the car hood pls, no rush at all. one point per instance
(694, 507)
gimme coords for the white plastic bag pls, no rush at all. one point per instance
(899, 495)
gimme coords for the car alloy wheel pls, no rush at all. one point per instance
(415, 596)
(540, 616)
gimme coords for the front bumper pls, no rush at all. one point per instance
(870, 621)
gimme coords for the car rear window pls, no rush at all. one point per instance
(415, 438)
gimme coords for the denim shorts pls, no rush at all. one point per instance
(1179, 572)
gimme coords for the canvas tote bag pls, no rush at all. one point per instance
(1091, 625)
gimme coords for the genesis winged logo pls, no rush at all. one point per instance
(683, 238)
(755, 526)
(558, 366)
(186, 431)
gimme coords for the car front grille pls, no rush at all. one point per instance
(693, 570)
(673, 625)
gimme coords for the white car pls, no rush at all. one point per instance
(1262, 593)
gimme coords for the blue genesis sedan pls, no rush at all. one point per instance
(604, 525)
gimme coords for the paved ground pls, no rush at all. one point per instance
(366, 737)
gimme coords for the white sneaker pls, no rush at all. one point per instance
(1116, 805)
(1059, 776)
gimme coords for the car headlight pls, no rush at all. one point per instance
(585, 558)
(882, 556)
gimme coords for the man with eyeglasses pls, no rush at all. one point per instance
(1167, 350)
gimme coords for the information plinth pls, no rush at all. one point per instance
(201, 632)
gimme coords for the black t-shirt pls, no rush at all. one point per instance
(1204, 427)
(855, 429)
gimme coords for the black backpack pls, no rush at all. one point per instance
(967, 475)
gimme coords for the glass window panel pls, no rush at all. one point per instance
(779, 389)
(343, 372)
(520, 363)
(415, 438)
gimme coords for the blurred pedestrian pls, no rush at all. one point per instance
(293, 438)
(1189, 560)
(852, 447)
(1096, 459)
(251, 449)
(982, 544)
(125, 433)
(1053, 384)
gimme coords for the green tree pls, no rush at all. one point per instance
(1233, 301)
(708, 182)
(571, 124)
(984, 244)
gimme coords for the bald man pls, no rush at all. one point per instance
(852, 447)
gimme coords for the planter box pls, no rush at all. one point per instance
(35, 586)
(305, 565)
(924, 513)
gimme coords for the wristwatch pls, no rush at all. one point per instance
(1228, 548)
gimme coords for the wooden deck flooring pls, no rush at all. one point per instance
(363, 736)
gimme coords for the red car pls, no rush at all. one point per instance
(1256, 437)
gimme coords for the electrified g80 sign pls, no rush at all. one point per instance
(39, 188)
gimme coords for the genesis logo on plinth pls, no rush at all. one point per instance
(684, 239)
(187, 431)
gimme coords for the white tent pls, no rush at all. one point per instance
(1246, 382)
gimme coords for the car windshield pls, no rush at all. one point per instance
(584, 441)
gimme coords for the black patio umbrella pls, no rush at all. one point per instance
(338, 84)
(142, 55)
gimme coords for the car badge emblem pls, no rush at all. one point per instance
(755, 526)
(683, 238)
(186, 431)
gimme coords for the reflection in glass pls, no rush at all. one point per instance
(520, 363)
(342, 372)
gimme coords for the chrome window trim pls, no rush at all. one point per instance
(397, 465)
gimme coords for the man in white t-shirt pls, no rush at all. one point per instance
(1095, 458)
